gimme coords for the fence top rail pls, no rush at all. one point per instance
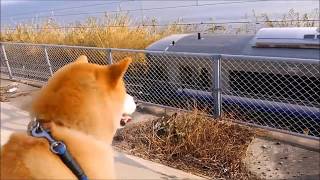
(167, 52)
(112, 49)
(223, 56)
(53, 45)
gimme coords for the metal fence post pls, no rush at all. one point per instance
(109, 60)
(48, 60)
(216, 81)
(6, 61)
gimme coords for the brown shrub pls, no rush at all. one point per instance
(192, 142)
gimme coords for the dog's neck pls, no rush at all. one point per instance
(62, 133)
(55, 130)
(87, 150)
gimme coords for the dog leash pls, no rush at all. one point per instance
(57, 147)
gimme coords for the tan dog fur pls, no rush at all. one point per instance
(82, 104)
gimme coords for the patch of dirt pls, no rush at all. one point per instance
(17, 93)
(278, 160)
(190, 142)
(7, 91)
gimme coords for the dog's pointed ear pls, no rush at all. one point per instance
(117, 71)
(81, 59)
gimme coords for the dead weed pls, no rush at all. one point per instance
(191, 142)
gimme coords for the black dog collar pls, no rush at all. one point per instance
(57, 147)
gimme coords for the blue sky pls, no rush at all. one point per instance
(14, 12)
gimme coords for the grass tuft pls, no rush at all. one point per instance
(191, 142)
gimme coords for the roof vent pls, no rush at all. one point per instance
(199, 36)
(297, 37)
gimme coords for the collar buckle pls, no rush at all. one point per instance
(36, 130)
(57, 147)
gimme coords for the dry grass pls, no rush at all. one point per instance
(3, 94)
(111, 31)
(103, 33)
(292, 19)
(191, 142)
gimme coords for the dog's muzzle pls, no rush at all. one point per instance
(125, 119)
(128, 109)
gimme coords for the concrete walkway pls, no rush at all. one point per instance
(127, 167)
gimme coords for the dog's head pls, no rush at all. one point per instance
(87, 97)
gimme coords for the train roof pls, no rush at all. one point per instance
(272, 42)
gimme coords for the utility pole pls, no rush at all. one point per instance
(142, 15)
(119, 6)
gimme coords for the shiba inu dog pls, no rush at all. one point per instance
(81, 105)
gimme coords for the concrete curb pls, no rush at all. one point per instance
(305, 143)
(27, 82)
(155, 110)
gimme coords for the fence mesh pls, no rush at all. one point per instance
(60, 56)
(277, 94)
(166, 79)
(280, 94)
(27, 62)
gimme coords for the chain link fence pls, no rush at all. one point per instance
(277, 93)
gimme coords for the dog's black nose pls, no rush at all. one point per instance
(122, 122)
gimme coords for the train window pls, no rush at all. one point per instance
(309, 36)
(204, 80)
(186, 76)
(158, 72)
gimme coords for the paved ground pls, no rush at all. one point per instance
(278, 160)
(267, 158)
